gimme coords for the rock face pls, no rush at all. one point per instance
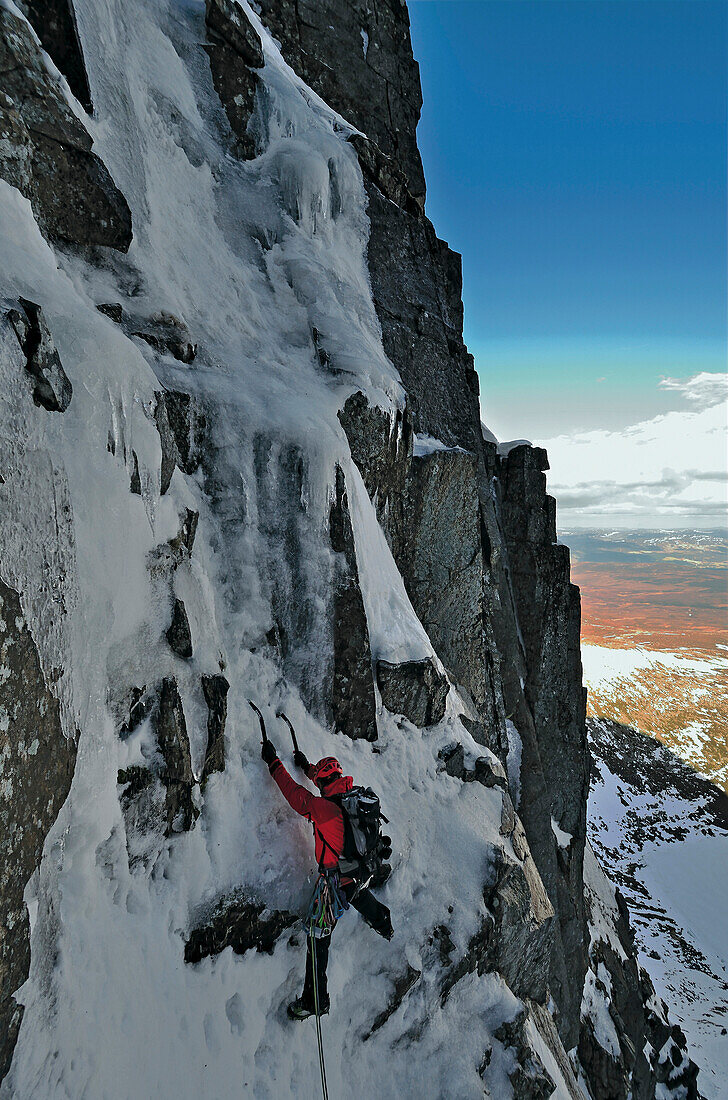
(36, 768)
(548, 611)
(238, 922)
(51, 387)
(359, 58)
(215, 689)
(415, 689)
(46, 153)
(235, 51)
(353, 686)
(174, 745)
(54, 21)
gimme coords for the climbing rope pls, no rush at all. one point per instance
(328, 903)
(322, 1064)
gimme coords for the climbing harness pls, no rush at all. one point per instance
(327, 904)
(322, 1064)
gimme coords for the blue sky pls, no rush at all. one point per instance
(575, 153)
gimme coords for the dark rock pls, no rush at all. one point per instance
(227, 19)
(168, 335)
(353, 702)
(37, 769)
(429, 509)
(112, 310)
(402, 986)
(385, 173)
(489, 773)
(51, 387)
(415, 689)
(519, 934)
(139, 708)
(236, 85)
(439, 551)
(529, 1079)
(555, 759)
(178, 634)
(234, 50)
(176, 775)
(183, 542)
(47, 154)
(215, 689)
(377, 89)
(135, 482)
(181, 424)
(239, 922)
(54, 21)
(134, 779)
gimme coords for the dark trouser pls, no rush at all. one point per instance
(377, 917)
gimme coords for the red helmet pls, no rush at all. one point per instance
(326, 770)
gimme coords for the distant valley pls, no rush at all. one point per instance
(655, 636)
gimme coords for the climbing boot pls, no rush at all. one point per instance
(301, 1010)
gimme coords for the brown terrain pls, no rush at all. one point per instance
(666, 593)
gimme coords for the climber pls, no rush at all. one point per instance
(327, 820)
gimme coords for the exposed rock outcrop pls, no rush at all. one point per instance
(235, 52)
(51, 386)
(174, 745)
(181, 424)
(239, 922)
(416, 689)
(215, 689)
(54, 21)
(47, 154)
(353, 687)
(358, 58)
(179, 635)
(36, 768)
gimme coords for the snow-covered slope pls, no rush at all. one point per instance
(223, 327)
(663, 830)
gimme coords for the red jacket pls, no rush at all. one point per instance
(325, 816)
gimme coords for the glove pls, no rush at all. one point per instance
(268, 752)
(301, 760)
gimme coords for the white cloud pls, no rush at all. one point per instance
(704, 389)
(671, 469)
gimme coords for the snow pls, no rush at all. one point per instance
(515, 754)
(504, 449)
(604, 665)
(251, 256)
(427, 444)
(595, 1005)
(563, 839)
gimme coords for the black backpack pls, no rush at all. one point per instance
(364, 845)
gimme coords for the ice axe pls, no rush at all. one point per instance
(289, 723)
(263, 734)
